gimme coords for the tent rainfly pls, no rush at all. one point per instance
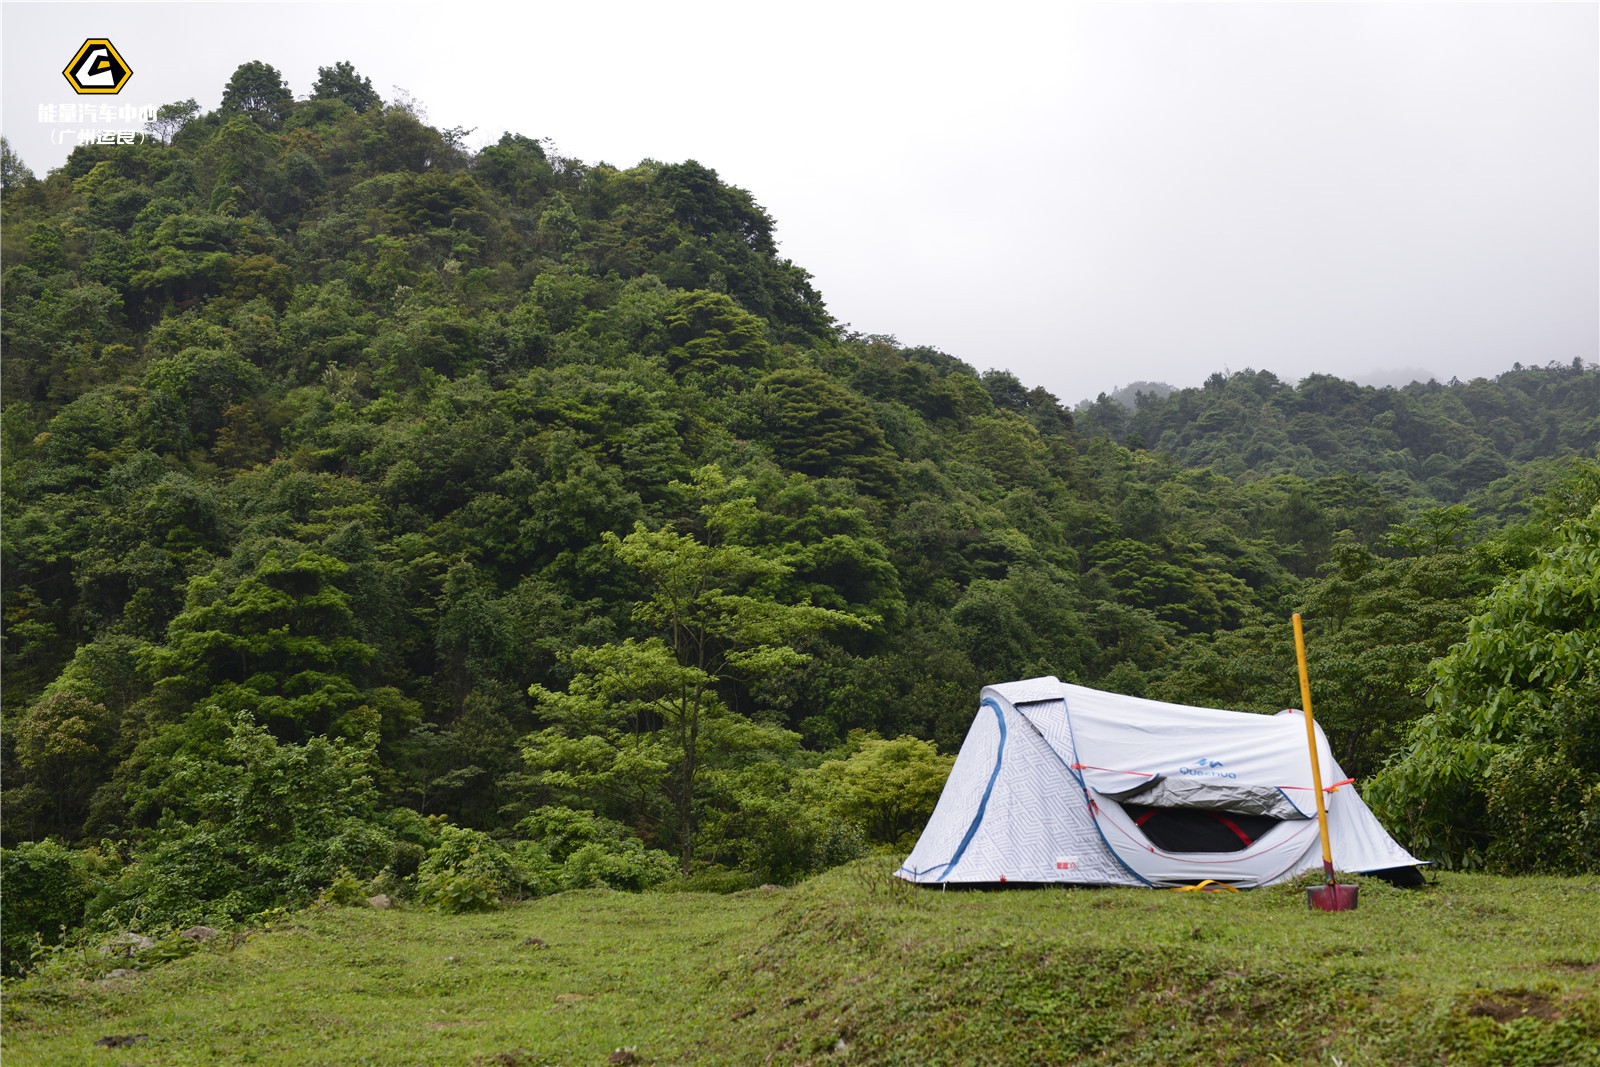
(1057, 783)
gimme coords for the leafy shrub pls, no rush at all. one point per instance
(413, 836)
(469, 886)
(562, 831)
(469, 871)
(711, 880)
(247, 823)
(388, 883)
(782, 838)
(406, 859)
(44, 886)
(345, 890)
(1542, 801)
(888, 787)
(630, 867)
(1505, 767)
(582, 850)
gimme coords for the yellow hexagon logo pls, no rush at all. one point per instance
(97, 68)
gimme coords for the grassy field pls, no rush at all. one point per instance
(855, 967)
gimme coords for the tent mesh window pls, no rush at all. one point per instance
(1199, 829)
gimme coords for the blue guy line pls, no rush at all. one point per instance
(977, 819)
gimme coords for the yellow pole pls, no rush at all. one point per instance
(1311, 740)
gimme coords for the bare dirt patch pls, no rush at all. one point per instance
(1503, 1007)
(1577, 966)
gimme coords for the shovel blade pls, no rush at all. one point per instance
(1332, 897)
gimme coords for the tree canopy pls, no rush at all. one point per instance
(257, 91)
(341, 82)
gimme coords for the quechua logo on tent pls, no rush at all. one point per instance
(1206, 768)
(97, 68)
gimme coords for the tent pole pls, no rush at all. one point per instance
(1328, 897)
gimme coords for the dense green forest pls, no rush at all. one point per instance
(380, 512)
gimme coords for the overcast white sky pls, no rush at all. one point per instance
(1085, 194)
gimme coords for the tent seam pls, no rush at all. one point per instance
(983, 805)
(1093, 808)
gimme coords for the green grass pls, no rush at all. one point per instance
(856, 967)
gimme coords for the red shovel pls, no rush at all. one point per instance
(1332, 896)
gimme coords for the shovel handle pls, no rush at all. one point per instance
(1311, 742)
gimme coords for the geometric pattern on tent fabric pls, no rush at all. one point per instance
(1083, 857)
(1052, 722)
(1037, 827)
(964, 791)
(988, 793)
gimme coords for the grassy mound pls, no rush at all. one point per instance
(855, 966)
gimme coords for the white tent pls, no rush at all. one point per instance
(1058, 783)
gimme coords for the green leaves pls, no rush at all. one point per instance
(342, 82)
(818, 427)
(257, 91)
(243, 821)
(467, 871)
(709, 332)
(638, 707)
(64, 746)
(280, 642)
(1512, 706)
(889, 787)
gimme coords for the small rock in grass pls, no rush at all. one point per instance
(198, 933)
(380, 902)
(623, 1055)
(127, 945)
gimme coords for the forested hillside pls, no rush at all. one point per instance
(1424, 445)
(492, 522)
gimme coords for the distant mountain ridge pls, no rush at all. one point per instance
(1426, 444)
(1127, 395)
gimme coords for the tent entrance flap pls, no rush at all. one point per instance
(1199, 829)
(1166, 791)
